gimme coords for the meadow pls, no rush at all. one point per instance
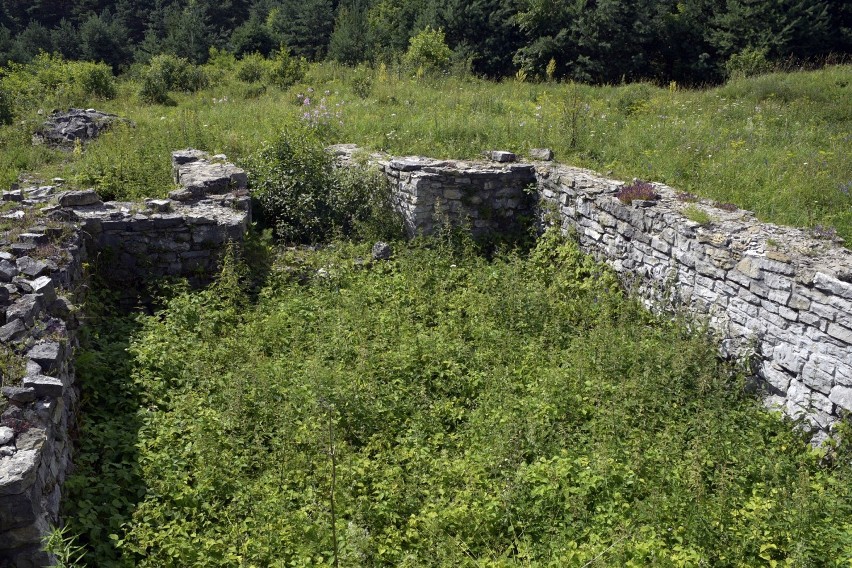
(777, 143)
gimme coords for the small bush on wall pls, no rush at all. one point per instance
(305, 199)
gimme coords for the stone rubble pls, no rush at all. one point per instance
(75, 124)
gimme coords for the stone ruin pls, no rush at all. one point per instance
(778, 297)
(49, 235)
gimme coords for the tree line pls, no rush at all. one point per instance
(598, 41)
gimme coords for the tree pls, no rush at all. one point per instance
(305, 26)
(252, 37)
(188, 32)
(428, 51)
(781, 28)
(66, 40)
(103, 38)
(349, 43)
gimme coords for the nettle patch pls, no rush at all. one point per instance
(435, 409)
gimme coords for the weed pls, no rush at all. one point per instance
(637, 190)
(697, 215)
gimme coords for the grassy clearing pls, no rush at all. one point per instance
(777, 144)
(454, 411)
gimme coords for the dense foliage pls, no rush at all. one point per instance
(304, 198)
(438, 409)
(689, 41)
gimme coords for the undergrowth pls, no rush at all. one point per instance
(451, 410)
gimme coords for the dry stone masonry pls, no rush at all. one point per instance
(487, 197)
(779, 296)
(48, 236)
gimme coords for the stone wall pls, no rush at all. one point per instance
(781, 297)
(490, 197)
(778, 294)
(49, 236)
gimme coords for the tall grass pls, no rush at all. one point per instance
(777, 144)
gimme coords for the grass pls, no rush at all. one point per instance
(438, 409)
(776, 144)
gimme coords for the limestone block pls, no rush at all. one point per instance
(31, 267)
(48, 354)
(44, 385)
(502, 156)
(840, 332)
(544, 154)
(27, 308)
(84, 198)
(842, 396)
(818, 373)
(19, 394)
(19, 510)
(833, 285)
(18, 472)
(44, 285)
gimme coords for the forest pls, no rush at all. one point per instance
(596, 41)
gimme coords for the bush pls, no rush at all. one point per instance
(304, 198)
(169, 73)
(285, 70)
(7, 112)
(428, 51)
(252, 68)
(747, 63)
(94, 79)
(362, 82)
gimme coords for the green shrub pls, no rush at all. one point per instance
(362, 82)
(748, 63)
(169, 73)
(252, 68)
(7, 111)
(94, 79)
(304, 198)
(286, 70)
(428, 51)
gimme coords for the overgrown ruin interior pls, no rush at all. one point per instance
(778, 296)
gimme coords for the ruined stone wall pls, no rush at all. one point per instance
(51, 235)
(490, 197)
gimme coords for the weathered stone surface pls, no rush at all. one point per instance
(187, 156)
(13, 331)
(18, 511)
(502, 156)
(64, 128)
(18, 472)
(545, 154)
(382, 251)
(44, 385)
(48, 355)
(84, 198)
(8, 270)
(6, 436)
(27, 308)
(842, 397)
(44, 285)
(19, 394)
(31, 267)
